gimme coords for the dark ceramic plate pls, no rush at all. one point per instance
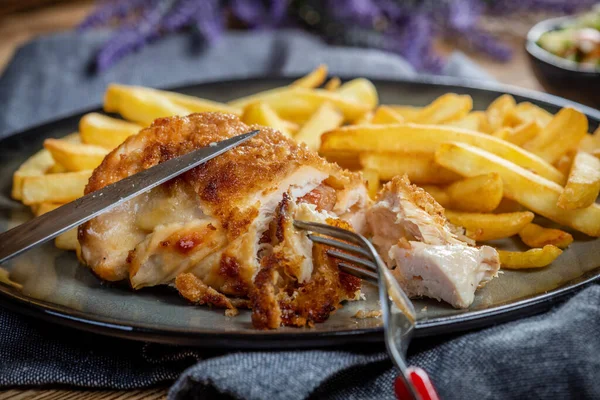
(558, 75)
(56, 288)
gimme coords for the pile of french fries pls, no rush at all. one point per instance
(492, 170)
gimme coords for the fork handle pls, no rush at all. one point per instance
(420, 382)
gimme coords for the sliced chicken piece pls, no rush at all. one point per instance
(298, 283)
(449, 272)
(406, 211)
(429, 259)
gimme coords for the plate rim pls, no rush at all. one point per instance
(529, 305)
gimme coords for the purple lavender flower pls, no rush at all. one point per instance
(415, 43)
(393, 10)
(360, 12)
(209, 20)
(405, 27)
(181, 15)
(107, 11)
(463, 15)
(555, 6)
(134, 36)
(258, 14)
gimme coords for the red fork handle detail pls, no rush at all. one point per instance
(420, 381)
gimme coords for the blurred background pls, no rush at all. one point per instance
(493, 33)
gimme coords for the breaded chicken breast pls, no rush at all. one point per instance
(210, 229)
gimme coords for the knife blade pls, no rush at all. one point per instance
(47, 226)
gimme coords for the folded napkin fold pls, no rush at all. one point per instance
(554, 355)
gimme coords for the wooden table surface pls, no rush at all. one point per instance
(17, 29)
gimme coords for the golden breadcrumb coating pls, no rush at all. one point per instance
(416, 195)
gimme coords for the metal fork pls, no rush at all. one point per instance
(399, 315)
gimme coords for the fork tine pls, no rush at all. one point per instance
(340, 245)
(328, 230)
(358, 272)
(352, 259)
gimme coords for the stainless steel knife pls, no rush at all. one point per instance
(68, 216)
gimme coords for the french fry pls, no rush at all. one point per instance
(195, 104)
(242, 102)
(67, 240)
(481, 193)
(326, 117)
(371, 176)
(361, 91)
(75, 157)
(409, 113)
(34, 208)
(420, 167)
(55, 188)
(415, 138)
(333, 84)
(140, 104)
(562, 134)
(595, 148)
(534, 235)
(583, 184)
(345, 159)
(498, 109)
(534, 258)
(532, 191)
(482, 227)
(484, 124)
(365, 119)
(508, 206)
(43, 208)
(104, 131)
(525, 112)
(5, 278)
(525, 132)
(292, 127)
(520, 134)
(261, 114)
(438, 193)
(502, 133)
(56, 169)
(36, 165)
(187, 102)
(386, 115)
(470, 121)
(313, 79)
(74, 137)
(298, 104)
(590, 143)
(445, 108)
(564, 163)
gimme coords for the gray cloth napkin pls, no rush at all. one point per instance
(554, 355)
(551, 356)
